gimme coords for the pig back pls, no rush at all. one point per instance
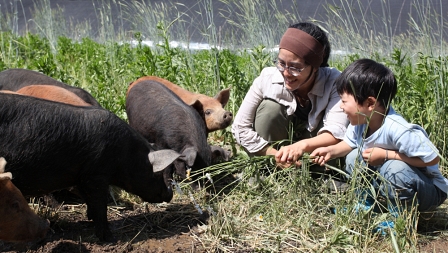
(15, 79)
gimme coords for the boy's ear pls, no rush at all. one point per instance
(371, 101)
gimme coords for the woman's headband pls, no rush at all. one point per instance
(303, 45)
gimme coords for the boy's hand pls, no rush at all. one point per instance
(374, 156)
(321, 155)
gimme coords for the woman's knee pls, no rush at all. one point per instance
(269, 110)
(271, 121)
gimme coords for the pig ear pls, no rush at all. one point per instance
(190, 156)
(197, 105)
(2, 164)
(223, 96)
(7, 175)
(217, 152)
(4, 174)
(161, 159)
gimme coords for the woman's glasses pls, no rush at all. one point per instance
(291, 70)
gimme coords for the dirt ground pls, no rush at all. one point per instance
(433, 235)
(165, 227)
(161, 228)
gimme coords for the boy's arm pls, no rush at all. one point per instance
(413, 161)
(377, 156)
(325, 154)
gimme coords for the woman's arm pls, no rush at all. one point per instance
(334, 119)
(242, 126)
(267, 150)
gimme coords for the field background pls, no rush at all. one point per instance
(205, 51)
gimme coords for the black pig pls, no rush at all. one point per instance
(167, 122)
(15, 79)
(51, 146)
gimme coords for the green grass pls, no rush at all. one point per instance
(257, 207)
(271, 210)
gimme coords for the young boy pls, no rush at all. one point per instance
(380, 138)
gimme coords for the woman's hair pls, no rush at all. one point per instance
(319, 35)
(367, 78)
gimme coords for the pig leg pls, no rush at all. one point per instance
(95, 193)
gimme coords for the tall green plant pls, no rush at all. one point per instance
(258, 22)
(353, 30)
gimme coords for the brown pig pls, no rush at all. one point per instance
(216, 117)
(18, 223)
(53, 93)
(15, 79)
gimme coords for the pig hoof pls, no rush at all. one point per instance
(106, 236)
(109, 239)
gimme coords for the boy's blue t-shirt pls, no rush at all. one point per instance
(406, 138)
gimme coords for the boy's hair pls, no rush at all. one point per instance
(367, 78)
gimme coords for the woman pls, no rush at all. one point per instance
(298, 94)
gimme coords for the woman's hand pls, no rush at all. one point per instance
(267, 150)
(289, 164)
(289, 155)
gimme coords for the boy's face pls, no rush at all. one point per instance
(356, 113)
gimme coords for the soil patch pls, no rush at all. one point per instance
(164, 227)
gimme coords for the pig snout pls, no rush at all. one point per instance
(168, 179)
(18, 223)
(40, 229)
(28, 228)
(34, 227)
(44, 225)
(227, 119)
(218, 120)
